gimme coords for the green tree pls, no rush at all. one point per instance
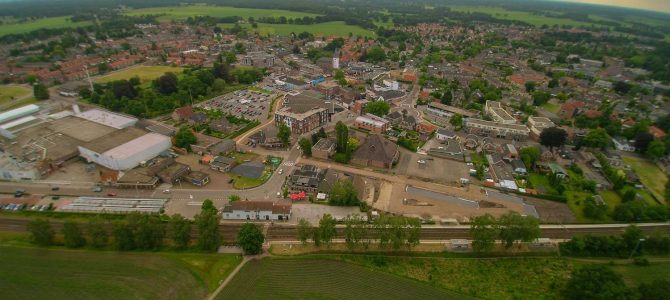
(343, 193)
(180, 231)
(540, 98)
(41, 232)
(148, 231)
(413, 229)
(327, 228)
(658, 289)
(447, 97)
(207, 221)
(342, 138)
(185, 138)
(484, 231)
(306, 146)
(284, 134)
(530, 155)
(456, 121)
(553, 137)
(553, 83)
(97, 235)
(304, 230)
(233, 198)
(513, 227)
(596, 138)
(656, 149)
(353, 233)
(378, 108)
(594, 210)
(166, 84)
(72, 235)
(123, 236)
(374, 55)
(250, 239)
(596, 282)
(530, 86)
(40, 92)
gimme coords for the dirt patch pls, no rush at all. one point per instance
(552, 212)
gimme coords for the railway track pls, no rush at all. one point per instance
(287, 233)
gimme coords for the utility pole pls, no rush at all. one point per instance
(88, 76)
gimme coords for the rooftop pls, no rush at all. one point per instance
(110, 119)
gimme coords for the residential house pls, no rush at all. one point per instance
(197, 118)
(402, 120)
(376, 151)
(222, 163)
(495, 110)
(372, 123)
(324, 148)
(445, 135)
(537, 124)
(570, 108)
(182, 113)
(519, 167)
(223, 147)
(658, 133)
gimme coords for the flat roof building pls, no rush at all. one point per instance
(125, 149)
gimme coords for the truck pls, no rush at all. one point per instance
(19, 193)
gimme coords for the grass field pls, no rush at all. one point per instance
(49, 23)
(146, 73)
(183, 12)
(504, 14)
(10, 92)
(633, 275)
(651, 176)
(34, 273)
(551, 107)
(337, 28)
(305, 278)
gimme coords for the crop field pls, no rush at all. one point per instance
(504, 14)
(306, 278)
(11, 92)
(336, 28)
(183, 12)
(48, 23)
(651, 176)
(145, 73)
(34, 273)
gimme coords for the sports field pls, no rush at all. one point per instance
(145, 73)
(504, 14)
(35, 273)
(48, 23)
(10, 92)
(651, 176)
(306, 278)
(183, 12)
(336, 28)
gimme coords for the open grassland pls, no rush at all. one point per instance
(504, 14)
(44, 23)
(306, 278)
(145, 73)
(183, 12)
(336, 28)
(32, 273)
(651, 175)
(11, 92)
(633, 275)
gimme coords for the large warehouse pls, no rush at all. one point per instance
(125, 149)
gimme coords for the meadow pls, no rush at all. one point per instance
(38, 273)
(48, 23)
(304, 278)
(530, 18)
(183, 12)
(11, 92)
(651, 176)
(145, 73)
(336, 28)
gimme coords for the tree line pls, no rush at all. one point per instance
(633, 242)
(395, 232)
(510, 228)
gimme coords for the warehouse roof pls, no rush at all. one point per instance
(136, 145)
(114, 139)
(108, 118)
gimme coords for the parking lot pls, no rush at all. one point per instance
(434, 169)
(249, 104)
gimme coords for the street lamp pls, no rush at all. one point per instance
(635, 249)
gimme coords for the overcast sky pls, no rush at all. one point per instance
(656, 5)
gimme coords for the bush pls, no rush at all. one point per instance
(342, 158)
(641, 261)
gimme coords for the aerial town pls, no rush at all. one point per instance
(245, 133)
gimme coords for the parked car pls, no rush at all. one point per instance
(55, 188)
(97, 189)
(111, 194)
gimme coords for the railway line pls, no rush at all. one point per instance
(287, 232)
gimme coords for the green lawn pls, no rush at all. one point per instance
(145, 73)
(336, 28)
(304, 278)
(10, 92)
(651, 176)
(575, 201)
(634, 275)
(48, 23)
(37, 273)
(504, 14)
(183, 12)
(551, 107)
(541, 184)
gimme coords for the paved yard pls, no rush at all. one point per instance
(313, 212)
(439, 170)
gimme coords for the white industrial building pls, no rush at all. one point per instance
(107, 118)
(18, 112)
(126, 151)
(257, 210)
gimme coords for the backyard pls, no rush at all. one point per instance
(651, 176)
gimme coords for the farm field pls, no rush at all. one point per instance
(48, 23)
(183, 12)
(145, 73)
(10, 92)
(504, 14)
(336, 28)
(651, 176)
(306, 278)
(36, 273)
